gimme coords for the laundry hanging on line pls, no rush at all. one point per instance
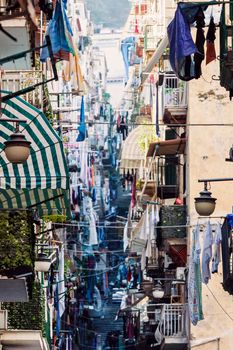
(194, 280)
(186, 56)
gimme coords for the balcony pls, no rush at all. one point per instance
(168, 179)
(171, 332)
(175, 100)
(23, 339)
(153, 34)
(151, 43)
(173, 218)
(169, 168)
(147, 180)
(9, 10)
(15, 80)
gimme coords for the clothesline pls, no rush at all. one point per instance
(131, 227)
(112, 226)
(211, 217)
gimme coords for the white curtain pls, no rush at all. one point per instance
(61, 284)
(125, 237)
(93, 239)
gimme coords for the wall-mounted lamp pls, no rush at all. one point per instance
(158, 291)
(42, 262)
(205, 204)
(17, 148)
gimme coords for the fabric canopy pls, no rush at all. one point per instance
(13, 290)
(44, 178)
(132, 155)
(168, 147)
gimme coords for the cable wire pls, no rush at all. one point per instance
(231, 318)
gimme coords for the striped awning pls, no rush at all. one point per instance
(132, 155)
(42, 182)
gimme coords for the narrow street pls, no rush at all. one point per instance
(107, 325)
(116, 223)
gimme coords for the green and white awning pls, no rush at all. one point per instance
(44, 178)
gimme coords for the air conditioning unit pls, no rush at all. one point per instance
(180, 273)
(3, 319)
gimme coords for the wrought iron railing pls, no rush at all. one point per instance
(175, 93)
(9, 7)
(147, 175)
(173, 322)
(15, 80)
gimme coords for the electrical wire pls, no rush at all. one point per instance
(97, 252)
(217, 301)
(123, 226)
(97, 273)
(151, 124)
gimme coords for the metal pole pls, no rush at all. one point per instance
(0, 91)
(58, 116)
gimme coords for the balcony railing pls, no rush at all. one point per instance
(10, 9)
(173, 215)
(174, 93)
(14, 80)
(147, 175)
(173, 323)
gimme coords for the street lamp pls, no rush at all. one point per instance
(42, 262)
(205, 204)
(17, 148)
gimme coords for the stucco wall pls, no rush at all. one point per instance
(208, 146)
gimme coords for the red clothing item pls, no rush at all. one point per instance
(129, 275)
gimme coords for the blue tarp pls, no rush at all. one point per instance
(128, 50)
(60, 33)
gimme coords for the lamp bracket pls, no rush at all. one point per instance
(216, 179)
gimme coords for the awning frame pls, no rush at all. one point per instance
(178, 144)
(154, 59)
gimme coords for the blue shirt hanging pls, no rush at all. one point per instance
(82, 127)
(181, 46)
